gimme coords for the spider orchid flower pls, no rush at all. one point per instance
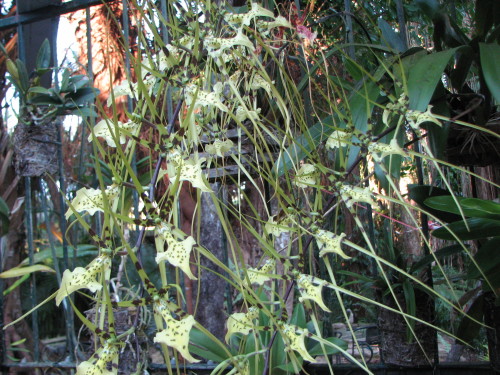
(329, 242)
(399, 107)
(178, 252)
(176, 335)
(277, 228)
(245, 18)
(91, 200)
(216, 47)
(260, 276)
(219, 147)
(186, 170)
(241, 322)
(306, 176)
(199, 98)
(108, 353)
(107, 130)
(338, 139)
(258, 82)
(84, 278)
(416, 118)
(309, 291)
(242, 114)
(380, 150)
(355, 194)
(296, 341)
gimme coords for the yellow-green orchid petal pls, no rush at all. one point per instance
(106, 354)
(242, 114)
(122, 89)
(309, 291)
(199, 98)
(329, 242)
(277, 228)
(415, 118)
(217, 46)
(91, 200)
(260, 276)
(187, 170)
(295, 341)
(178, 253)
(380, 150)
(81, 278)
(354, 194)
(176, 335)
(246, 18)
(398, 108)
(338, 138)
(219, 147)
(306, 176)
(241, 322)
(106, 129)
(258, 82)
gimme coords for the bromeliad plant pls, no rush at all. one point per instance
(215, 71)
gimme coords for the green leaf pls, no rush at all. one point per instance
(205, 347)
(420, 193)
(45, 255)
(329, 350)
(469, 329)
(16, 284)
(392, 38)
(23, 76)
(21, 271)
(424, 77)
(472, 207)
(298, 316)
(81, 96)
(39, 90)
(487, 258)
(84, 112)
(4, 218)
(42, 99)
(43, 56)
(491, 68)
(477, 228)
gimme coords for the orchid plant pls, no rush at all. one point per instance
(218, 69)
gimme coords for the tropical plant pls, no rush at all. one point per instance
(245, 94)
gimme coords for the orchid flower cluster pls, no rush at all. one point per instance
(208, 104)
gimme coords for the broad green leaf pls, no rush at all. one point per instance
(16, 284)
(491, 68)
(487, 258)
(424, 77)
(205, 347)
(477, 228)
(392, 38)
(81, 96)
(23, 76)
(472, 207)
(45, 255)
(21, 271)
(43, 56)
(43, 99)
(4, 218)
(298, 316)
(469, 329)
(419, 193)
(39, 90)
(317, 350)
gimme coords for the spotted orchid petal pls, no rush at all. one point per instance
(178, 253)
(296, 341)
(398, 107)
(329, 242)
(245, 18)
(83, 278)
(242, 114)
(125, 88)
(306, 176)
(219, 147)
(309, 291)
(200, 98)
(217, 46)
(258, 82)
(380, 150)
(338, 139)
(277, 228)
(416, 118)
(186, 170)
(355, 194)
(91, 200)
(108, 353)
(241, 322)
(176, 335)
(260, 276)
(107, 130)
